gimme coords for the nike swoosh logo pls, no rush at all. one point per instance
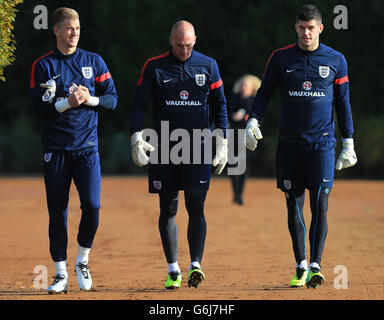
(165, 81)
(325, 180)
(290, 70)
(203, 181)
(56, 76)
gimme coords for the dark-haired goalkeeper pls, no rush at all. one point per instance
(311, 77)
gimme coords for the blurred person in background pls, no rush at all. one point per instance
(239, 107)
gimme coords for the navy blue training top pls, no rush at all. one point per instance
(76, 128)
(310, 83)
(182, 93)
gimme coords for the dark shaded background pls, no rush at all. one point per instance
(239, 34)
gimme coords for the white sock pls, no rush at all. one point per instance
(314, 265)
(83, 255)
(173, 267)
(61, 268)
(303, 265)
(194, 264)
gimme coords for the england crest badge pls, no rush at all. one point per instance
(324, 71)
(287, 184)
(87, 72)
(157, 185)
(200, 79)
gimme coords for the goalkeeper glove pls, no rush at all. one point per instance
(139, 149)
(252, 134)
(347, 156)
(221, 156)
(49, 94)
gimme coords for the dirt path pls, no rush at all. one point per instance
(248, 254)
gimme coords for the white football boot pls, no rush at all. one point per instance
(84, 278)
(59, 285)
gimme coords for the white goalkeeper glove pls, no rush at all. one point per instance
(49, 94)
(347, 156)
(252, 134)
(139, 149)
(221, 156)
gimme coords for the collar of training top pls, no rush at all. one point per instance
(178, 60)
(57, 51)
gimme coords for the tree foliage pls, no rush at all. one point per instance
(7, 39)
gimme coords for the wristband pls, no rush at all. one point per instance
(92, 101)
(348, 143)
(62, 105)
(136, 137)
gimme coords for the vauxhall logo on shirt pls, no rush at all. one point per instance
(307, 86)
(184, 96)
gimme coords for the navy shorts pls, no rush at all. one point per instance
(305, 166)
(171, 177)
